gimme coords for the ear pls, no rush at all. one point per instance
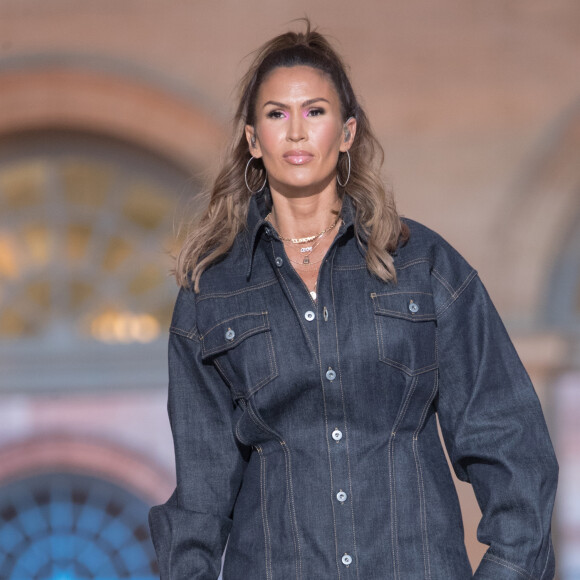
(349, 131)
(253, 143)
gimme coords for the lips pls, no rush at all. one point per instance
(298, 157)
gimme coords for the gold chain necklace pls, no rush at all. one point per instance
(306, 239)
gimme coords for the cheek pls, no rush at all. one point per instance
(329, 139)
(269, 138)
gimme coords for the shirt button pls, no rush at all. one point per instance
(309, 315)
(337, 435)
(267, 230)
(341, 496)
(230, 334)
(413, 307)
(279, 261)
(347, 559)
(330, 374)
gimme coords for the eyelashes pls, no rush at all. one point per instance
(278, 114)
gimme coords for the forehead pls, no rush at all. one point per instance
(297, 82)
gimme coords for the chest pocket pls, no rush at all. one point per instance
(242, 350)
(406, 330)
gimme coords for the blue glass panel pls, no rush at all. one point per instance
(72, 527)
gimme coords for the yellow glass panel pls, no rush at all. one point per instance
(14, 325)
(146, 205)
(147, 279)
(77, 241)
(86, 183)
(38, 243)
(38, 292)
(79, 293)
(23, 185)
(118, 326)
(9, 264)
(117, 251)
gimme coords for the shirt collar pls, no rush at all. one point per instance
(259, 207)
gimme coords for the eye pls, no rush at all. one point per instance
(316, 112)
(276, 114)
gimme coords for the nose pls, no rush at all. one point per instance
(296, 129)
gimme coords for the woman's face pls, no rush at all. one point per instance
(299, 130)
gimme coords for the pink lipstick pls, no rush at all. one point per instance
(298, 157)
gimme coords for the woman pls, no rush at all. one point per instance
(315, 339)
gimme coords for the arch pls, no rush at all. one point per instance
(538, 218)
(57, 94)
(70, 453)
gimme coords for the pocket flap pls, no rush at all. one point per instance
(230, 332)
(413, 306)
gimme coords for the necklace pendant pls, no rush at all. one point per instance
(306, 249)
(306, 260)
(303, 240)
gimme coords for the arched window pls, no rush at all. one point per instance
(73, 527)
(87, 224)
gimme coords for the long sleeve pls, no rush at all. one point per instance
(496, 435)
(190, 530)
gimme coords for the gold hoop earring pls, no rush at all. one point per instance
(348, 174)
(246, 177)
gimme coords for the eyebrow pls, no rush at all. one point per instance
(304, 104)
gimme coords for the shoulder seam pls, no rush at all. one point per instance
(454, 294)
(190, 334)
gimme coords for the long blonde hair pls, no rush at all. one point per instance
(377, 222)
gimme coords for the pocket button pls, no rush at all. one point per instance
(230, 334)
(413, 307)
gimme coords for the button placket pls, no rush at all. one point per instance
(318, 321)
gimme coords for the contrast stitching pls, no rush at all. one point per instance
(358, 267)
(191, 334)
(375, 294)
(239, 435)
(406, 369)
(443, 280)
(403, 316)
(289, 294)
(457, 293)
(289, 487)
(421, 483)
(222, 322)
(345, 427)
(328, 450)
(392, 485)
(224, 375)
(412, 263)
(508, 565)
(547, 558)
(273, 370)
(293, 521)
(392, 490)
(405, 406)
(236, 292)
(267, 543)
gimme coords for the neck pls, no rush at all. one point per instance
(304, 216)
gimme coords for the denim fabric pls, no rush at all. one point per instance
(306, 432)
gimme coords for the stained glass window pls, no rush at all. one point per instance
(86, 229)
(73, 527)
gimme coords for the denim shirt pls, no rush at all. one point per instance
(306, 432)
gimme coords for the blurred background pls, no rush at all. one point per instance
(113, 113)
